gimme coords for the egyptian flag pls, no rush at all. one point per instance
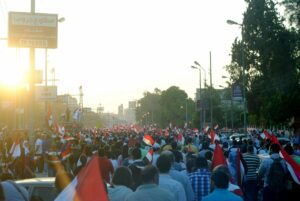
(148, 140)
(206, 128)
(87, 185)
(218, 157)
(212, 135)
(292, 166)
(67, 151)
(149, 156)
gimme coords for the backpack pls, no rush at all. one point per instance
(277, 176)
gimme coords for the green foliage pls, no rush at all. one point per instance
(271, 59)
(164, 107)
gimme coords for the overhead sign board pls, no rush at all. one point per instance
(44, 93)
(32, 30)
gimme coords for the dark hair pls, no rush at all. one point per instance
(190, 165)
(250, 148)
(289, 149)
(174, 145)
(220, 178)
(122, 176)
(163, 163)
(149, 173)
(274, 148)
(136, 176)
(201, 162)
(83, 159)
(208, 155)
(125, 149)
(136, 153)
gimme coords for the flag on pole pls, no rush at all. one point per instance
(87, 185)
(67, 151)
(212, 135)
(76, 114)
(292, 166)
(148, 140)
(149, 155)
(206, 128)
(218, 157)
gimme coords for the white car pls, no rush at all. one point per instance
(39, 188)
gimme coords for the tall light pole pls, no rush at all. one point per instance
(231, 103)
(231, 22)
(201, 68)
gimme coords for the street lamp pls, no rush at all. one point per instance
(231, 22)
(60, 20)
(200, 68)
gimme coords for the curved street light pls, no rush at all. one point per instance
(231, 22)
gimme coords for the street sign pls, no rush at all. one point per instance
(44, 93)
(32, 30)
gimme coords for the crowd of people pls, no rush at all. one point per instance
(181, 164)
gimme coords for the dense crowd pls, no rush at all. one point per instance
(151, 164)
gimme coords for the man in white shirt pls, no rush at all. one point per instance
(39, 153)
(163, 164)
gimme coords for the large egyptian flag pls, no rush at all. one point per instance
(87, 185)
(218, 157)
(292, 166)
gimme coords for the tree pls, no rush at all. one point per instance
(270, 56)
(149, 105)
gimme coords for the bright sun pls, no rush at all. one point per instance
(11, 77)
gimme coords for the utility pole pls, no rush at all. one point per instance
(31, 105)
(211, 104)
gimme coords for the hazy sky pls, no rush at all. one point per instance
(118, 49)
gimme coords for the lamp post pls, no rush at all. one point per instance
(194, 67)
(201, 68)
(231, 22)
(60, 20)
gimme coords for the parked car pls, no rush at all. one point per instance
(39, 189)
(239, 136)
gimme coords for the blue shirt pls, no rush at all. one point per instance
(150, 192)
(200, 180)
(222, 195)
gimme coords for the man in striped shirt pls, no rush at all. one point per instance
(250, 179)
(200, 179)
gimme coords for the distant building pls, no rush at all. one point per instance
(129, 113)
(68, 100)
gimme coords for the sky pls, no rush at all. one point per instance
(118, 49)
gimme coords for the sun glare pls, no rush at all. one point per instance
(11, 77)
